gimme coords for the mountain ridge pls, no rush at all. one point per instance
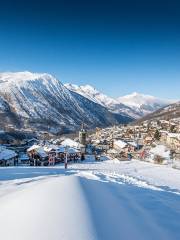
(39, 99)
(135, 105)
(169, 112)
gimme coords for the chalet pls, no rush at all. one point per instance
(52, 154)
(37, 155)
(148, 140)
(59, 153)
(164, 135)
(8, 157)
(133, 146)
(120, 145)
(122, 148)
(173, 140)
(73, 144)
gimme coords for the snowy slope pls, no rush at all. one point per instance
(91, 201)
(41, 99)
(144, 104)
(96, 96)
(92, 94)
(171, 111)
(135, 104)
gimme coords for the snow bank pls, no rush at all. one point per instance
(160, 150)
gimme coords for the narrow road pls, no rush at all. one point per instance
(74, 207)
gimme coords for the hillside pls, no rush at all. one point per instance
(41, 101)
(144, 104)
(135, 105)
(171, 111)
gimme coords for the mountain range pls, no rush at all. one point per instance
(135, 105)
(169, 112)
(40, 101)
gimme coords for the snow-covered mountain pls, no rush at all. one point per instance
(135, 105)
(169, 112)
(92, 94)
(96, 96)
(39, 99)
(143, 104)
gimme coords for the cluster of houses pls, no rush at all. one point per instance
(43, 154)
(8, 157)
(155, 141)
(51, 154)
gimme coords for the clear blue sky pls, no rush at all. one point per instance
(117, 46)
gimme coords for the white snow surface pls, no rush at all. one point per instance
(160, 150)
(105, 200)
(120, 143)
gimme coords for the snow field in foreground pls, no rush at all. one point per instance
(98, 201)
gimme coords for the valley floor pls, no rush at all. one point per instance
(90, 201)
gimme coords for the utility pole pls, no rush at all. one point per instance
(66, 158)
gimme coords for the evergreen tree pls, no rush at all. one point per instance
(173, 129)
(157, 135)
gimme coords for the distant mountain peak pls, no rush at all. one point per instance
(135, 94)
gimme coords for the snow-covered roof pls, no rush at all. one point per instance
(61, 149)
(41, 152)
(39, 149)
(7, 154)
(174, 135)
(56, 141)
(134, 144)
(120, 143)
(49, 148)
(97, 141)
(34, 147)
(71, 143)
